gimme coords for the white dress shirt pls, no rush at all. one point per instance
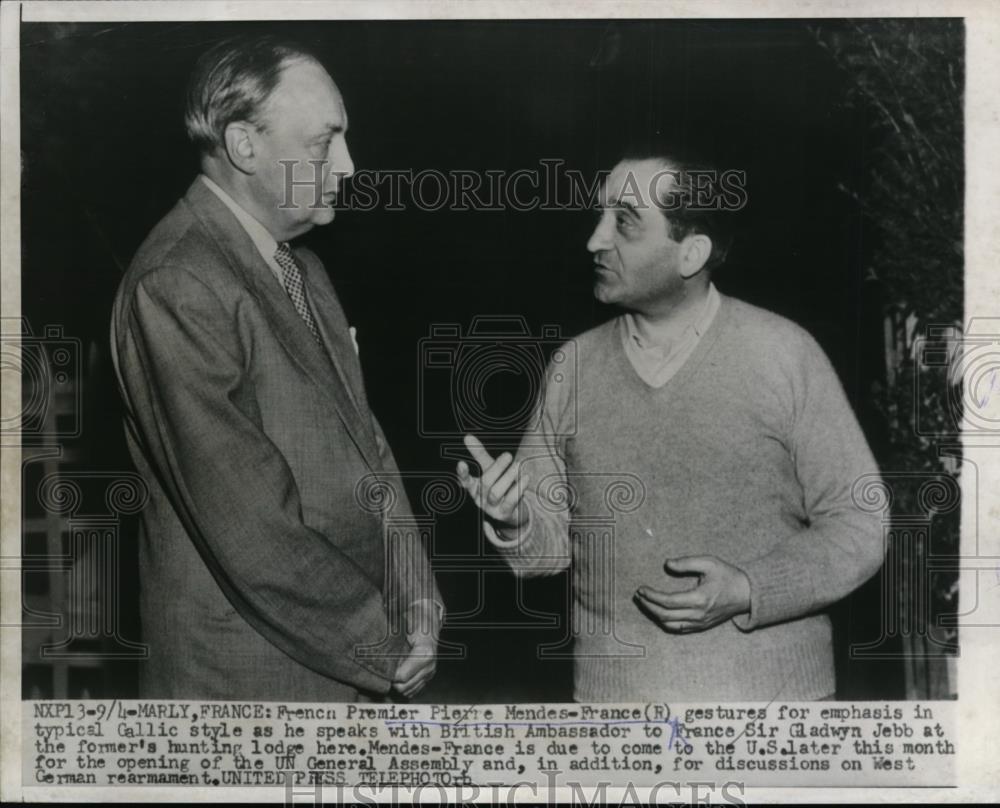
(658, 364)
(259, 235)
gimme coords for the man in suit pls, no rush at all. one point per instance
(266, 573)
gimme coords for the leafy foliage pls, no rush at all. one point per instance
(908, 76)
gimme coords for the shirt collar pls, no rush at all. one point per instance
(699, 326)
(261, 237)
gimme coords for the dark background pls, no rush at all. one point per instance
(105, 156)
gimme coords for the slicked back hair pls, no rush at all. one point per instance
(232, 81)
(683, 218)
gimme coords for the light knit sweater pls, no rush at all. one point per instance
(749, 453)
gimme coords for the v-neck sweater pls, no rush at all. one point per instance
(750, 453)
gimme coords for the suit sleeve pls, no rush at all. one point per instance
(842, 545)
(412, 575)
(182, 368)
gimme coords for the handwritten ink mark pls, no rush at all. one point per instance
(989, 393)
(747, 725)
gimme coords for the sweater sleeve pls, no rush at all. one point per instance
(541, 547)
(841, 545)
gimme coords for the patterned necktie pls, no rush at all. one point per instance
(291, 276)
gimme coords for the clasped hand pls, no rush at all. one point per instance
(414, 672)
(723, 591)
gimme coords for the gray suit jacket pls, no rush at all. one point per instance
(264, 573)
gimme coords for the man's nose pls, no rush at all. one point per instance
(341, 165)
(600, 239)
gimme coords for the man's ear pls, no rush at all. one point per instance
(240, 146)
(695, 251)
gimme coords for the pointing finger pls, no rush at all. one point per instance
(478, 451)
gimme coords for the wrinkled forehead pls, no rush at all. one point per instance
(637, 183)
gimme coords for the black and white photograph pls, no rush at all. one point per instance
(497, 361)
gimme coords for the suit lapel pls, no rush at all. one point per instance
(286, 323)
(332, 323)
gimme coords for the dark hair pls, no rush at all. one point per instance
(232, 81)
(694, 178)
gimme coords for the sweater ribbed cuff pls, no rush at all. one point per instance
(529, 553)
(780, 589)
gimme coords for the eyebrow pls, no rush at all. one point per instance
(330, 129)
(628, 207)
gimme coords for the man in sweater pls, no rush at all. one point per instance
(694, 470)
